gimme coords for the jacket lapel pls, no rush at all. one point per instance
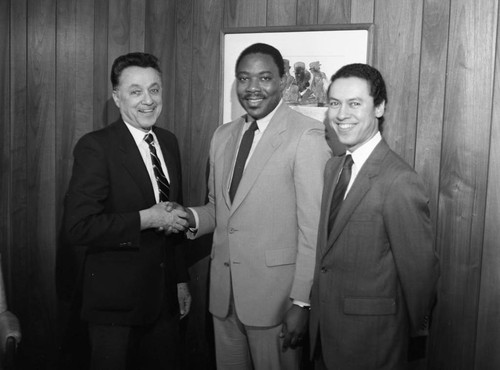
(332, 170)
(133, 162)
(359, 188)
(269, 142)
(171, 164)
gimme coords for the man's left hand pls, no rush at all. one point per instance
(294, 327)
(184, 298)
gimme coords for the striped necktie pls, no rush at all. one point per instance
(163, 185)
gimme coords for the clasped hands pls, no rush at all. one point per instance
(167, 217)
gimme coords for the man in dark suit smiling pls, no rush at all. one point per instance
(134, 278)
(376, 268)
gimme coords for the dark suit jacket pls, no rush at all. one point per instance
(128, 273)
(376, 274)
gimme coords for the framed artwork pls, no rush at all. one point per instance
(312, 55)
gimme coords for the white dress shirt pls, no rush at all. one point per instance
(359, 157)
(143, 147)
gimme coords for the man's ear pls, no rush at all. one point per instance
(380, 110)
(116, 98)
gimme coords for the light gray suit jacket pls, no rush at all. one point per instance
(264, 243)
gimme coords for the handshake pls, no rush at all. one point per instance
(167, 217)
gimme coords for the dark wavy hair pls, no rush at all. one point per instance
(264, 49)
(375, 80)
(143, 60)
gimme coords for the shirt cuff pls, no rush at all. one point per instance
(301, 304)
(192, 231)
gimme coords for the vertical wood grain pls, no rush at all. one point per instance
(362, 11)
(281, 13)
(83, 72)
(464, 165)
(397, 34)
(488, 326)
(205, 92)
(18, 154)
(334, 11)
(41, 161)
(241, 13)
(183, 82)
(74, 85)
(137, 25)
(160, 31)
(433, 62)
(431, 95)
(307, 12)
(118, 43)
(5, 163)
(65, 90)
(102, 85)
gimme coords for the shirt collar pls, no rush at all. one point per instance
(360, 155)
(264, 122)
(137, 134)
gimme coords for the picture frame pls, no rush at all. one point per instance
(314, 54)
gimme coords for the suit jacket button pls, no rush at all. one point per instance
(324, 269)
(162, 265)
(226, 264)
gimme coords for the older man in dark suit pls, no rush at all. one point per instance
(376, 268)
(134, 275)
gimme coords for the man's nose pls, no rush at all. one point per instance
(342, 112)
(253, 84)
(147, 98)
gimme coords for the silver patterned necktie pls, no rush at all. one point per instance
(163, 184)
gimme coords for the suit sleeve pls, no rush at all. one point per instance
(411, 236)
(311, 156)
(86, 220)
(206, 213)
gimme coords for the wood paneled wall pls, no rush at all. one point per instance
(440, 59)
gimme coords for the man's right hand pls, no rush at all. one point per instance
(165, 217)
(173, 206)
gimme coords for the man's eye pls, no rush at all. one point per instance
(334, 104)
(354, 104)
(266, 78)
(242, 78)
(155, 91)
(136, 92)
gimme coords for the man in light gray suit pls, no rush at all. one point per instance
(265, 227)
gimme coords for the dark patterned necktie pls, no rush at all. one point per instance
(239, 167)
(339, 192)
(163, 185)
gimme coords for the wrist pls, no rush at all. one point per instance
(145, 219)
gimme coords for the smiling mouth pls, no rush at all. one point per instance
(345, 126)
(254, 101)
(147, 111)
